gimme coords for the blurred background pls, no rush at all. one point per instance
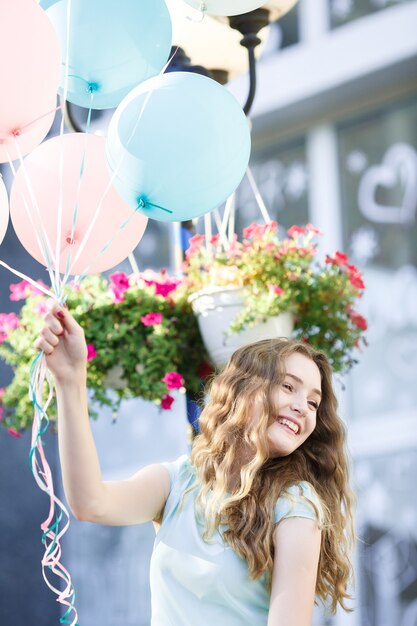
(334, 129)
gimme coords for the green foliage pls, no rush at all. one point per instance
(283, 275)
(131, 358)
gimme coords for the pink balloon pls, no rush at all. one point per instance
(29, 76)
(42, 169)
(4, 209)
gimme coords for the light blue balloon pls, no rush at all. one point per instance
(178, 146)
(114, 45)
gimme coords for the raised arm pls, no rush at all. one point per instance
(297, 549)
(138, 499)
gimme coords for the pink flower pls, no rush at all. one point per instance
(120, 280)
(163, 289)
(8, 322)
(119, 283)
(14, 433)
(41, 308)
(312, 229)
(166, 401)
(22, 290)
(152, 319)
(2, 392)
(173, 380)
(277, 290)
(295, 231)
(91, 352)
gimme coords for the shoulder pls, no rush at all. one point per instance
(299, 500)
(182, 475)
(179, 470)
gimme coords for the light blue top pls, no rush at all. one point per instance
(194, 582)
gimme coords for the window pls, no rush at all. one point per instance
(345, 11)
(378, 169)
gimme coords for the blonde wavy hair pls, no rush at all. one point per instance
(226, 428)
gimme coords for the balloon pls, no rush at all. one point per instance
(4, 209)
(226, 7)
(179, 144)
(29, 76)
(43, 171)
(113, 46)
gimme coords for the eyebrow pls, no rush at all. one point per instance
(302, 382)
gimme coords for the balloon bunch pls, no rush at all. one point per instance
(178, 145)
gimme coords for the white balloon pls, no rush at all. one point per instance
(226, 7)
(4, 209)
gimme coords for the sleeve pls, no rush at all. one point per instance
(176, 470)
(299, 500)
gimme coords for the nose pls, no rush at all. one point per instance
(299, 404)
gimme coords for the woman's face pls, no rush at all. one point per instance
(294, 405)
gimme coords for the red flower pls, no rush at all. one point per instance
(277, 290)
(339, 259)
(91, 352)
(166, 401)
(359, 321)
(355, 277)
(14, 433)
(204, 370)
(152, 319)
(173, 380)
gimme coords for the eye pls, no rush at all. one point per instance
(288, 386)
(314, 404)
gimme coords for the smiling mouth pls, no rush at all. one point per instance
(290, 426)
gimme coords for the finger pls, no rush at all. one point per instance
(49, 336)
(64, 317)
(43, 346)
(54, 324)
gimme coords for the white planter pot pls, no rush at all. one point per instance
(217, 307)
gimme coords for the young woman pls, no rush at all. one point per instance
(258, 520)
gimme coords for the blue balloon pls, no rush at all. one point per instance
(113, 46)
(178, 146)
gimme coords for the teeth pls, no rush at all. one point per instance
(290, 424)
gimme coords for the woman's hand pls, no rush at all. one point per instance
(63, 342)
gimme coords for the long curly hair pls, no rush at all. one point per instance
(227, 428)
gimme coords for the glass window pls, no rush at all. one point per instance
(345, 11)
(378, 165)
(282, 178)
(387, 548)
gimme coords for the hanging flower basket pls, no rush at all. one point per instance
(267, 285)
(217, 307)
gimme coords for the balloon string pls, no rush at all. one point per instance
(46, 247)
(38, 233)
(115, 172)
(51, 537)
(258, 196)
(18, 131)
(81, 277)
(61, 159)
(28, 279)
(80, 179)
